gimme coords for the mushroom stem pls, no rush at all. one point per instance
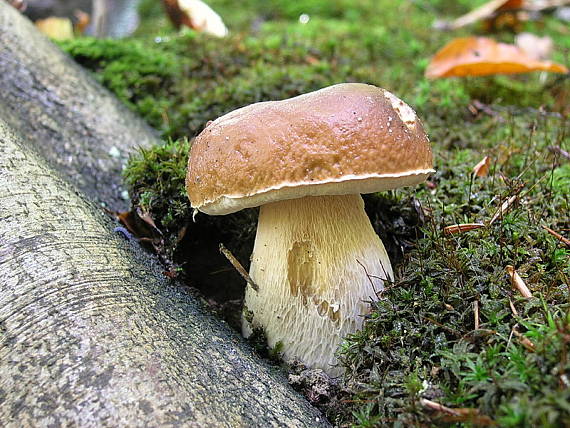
(318, 263)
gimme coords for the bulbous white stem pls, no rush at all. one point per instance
(318, 263)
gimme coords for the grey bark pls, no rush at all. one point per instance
(91, 332)
(77, 125)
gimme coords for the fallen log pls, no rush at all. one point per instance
(76, 124)
(92, 333)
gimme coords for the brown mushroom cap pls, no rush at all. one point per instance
(347, 138)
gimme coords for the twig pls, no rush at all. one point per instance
(479, 106)
(559, 151)
(537, 6)
(476, 314)
(518, 283)
(557, 236)
(492, 8)
(439, 407)
(513, 309)
(524, 341)
(504, 208)
(237, 265)
(449, 329)
(460, 228)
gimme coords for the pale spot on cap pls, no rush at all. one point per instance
(405, 112)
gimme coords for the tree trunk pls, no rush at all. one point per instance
(77, 125)
(92, 333)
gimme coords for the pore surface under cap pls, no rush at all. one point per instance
(347, 138)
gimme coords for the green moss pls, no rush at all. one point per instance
(135, 72)
(424, 326)
(420, 340)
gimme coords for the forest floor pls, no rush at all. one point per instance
(452, 329)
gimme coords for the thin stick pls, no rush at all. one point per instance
(557, 236)
(513, 309)
(237, 265)
(476, 314)
(558, 150)
(439, 407)
(504, 208)
(524, 341)
(460, 228)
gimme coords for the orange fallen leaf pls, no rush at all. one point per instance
(482, 168)
(481, 56)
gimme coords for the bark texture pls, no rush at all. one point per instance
(93, 334)
(76, 124)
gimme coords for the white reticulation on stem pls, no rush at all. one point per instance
(318, 263)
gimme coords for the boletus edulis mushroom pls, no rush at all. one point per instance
(305, 161)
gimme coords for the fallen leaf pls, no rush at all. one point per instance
(518, 283)
(197, 15)
(482, 168)
(142, 226)
(82, 21)
(56, 28)
(483, 12)
(480, 56)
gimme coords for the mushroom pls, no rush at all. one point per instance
(305, 161)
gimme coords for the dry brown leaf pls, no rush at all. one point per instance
(141, 225)
(481, 56)
(197, 15)
(483, 12)
(460, 228)
(482, 168)
(56, 28)
(518, 283)
(82, 21)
